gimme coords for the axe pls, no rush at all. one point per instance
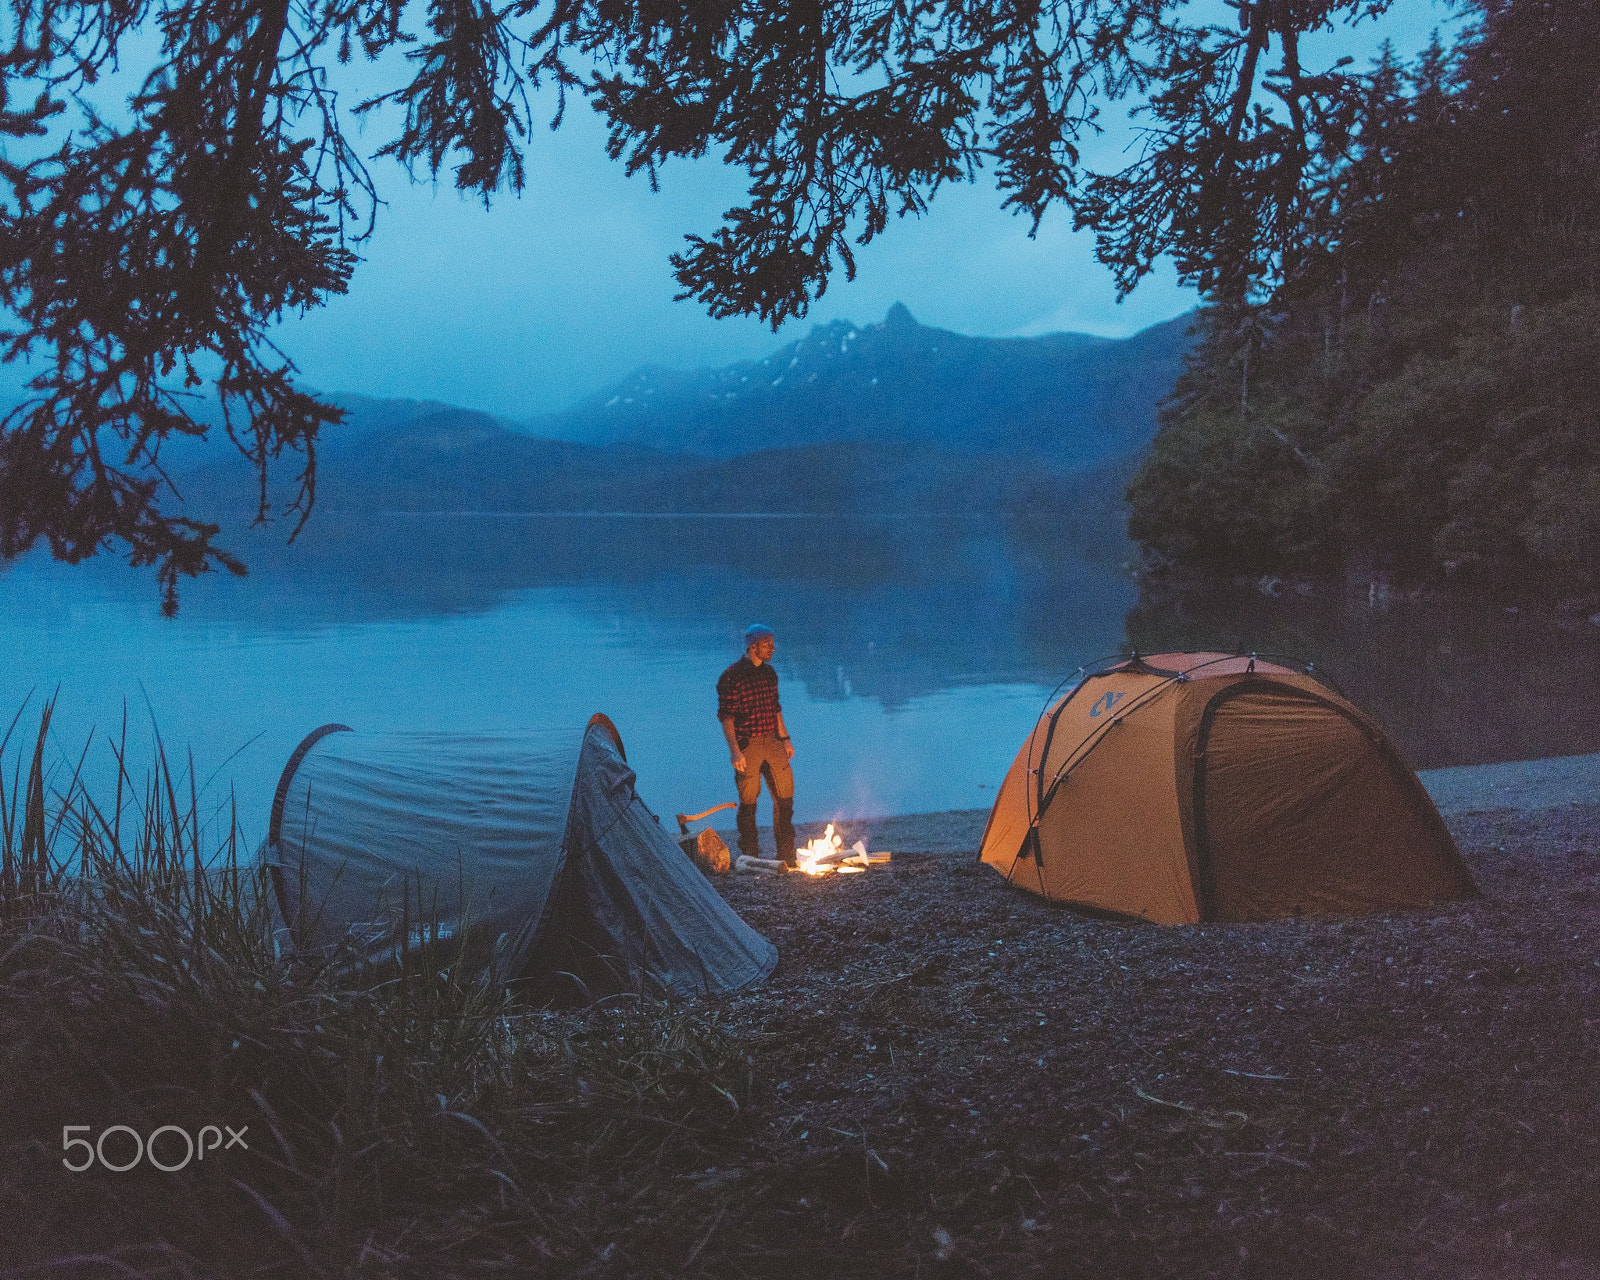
(707, 850)
(684, 819)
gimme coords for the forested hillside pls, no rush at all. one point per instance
(1421, 396)
(884, 418)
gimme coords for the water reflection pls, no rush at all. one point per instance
(915, 652)
(889, 609)
(1455, 681)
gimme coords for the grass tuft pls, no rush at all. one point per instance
(417, 1120)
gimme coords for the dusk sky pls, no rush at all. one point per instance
(542, 299)
(539, 300)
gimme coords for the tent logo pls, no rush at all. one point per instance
(1106, 702)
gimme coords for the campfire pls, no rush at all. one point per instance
(824, 855)
(827, 853)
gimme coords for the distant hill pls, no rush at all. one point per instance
(892, 417)
(460, 460)
(1070, 397)
(407, 455)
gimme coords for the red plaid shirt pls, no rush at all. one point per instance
(748, 695)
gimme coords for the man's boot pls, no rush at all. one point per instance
(783, 829)
(749, 840)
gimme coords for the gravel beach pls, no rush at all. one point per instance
(944, 1077)
(957, 1078)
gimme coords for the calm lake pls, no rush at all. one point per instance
(914, 653)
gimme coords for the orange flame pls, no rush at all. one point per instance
(822, 855)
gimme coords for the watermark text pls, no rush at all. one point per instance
(175, 1141)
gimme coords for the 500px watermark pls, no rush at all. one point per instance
(194, 1148)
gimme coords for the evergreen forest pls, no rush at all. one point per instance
(1418, 397)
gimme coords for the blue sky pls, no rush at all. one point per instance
(542, 299)
(538, 300)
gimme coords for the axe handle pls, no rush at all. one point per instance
(684, 819)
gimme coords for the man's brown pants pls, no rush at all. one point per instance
(765, 757)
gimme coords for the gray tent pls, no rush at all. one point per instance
(532, 851)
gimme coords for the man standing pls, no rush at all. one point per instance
(758, 741)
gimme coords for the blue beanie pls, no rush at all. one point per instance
(756, 631)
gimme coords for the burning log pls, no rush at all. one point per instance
(827, 853)
(823, 855)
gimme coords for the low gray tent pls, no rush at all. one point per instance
(532, 852)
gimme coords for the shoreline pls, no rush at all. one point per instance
(1517, 786)
(1406, 1093)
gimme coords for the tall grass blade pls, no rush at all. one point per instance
(397, 1102)
(33, 861)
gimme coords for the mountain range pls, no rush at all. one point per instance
(885, 417)
(1065, 396)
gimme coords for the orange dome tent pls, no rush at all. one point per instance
(1201, 786)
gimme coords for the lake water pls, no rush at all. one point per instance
(914, 653)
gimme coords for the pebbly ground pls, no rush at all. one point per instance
(955, 1078)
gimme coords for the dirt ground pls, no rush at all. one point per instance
(955, 1078)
